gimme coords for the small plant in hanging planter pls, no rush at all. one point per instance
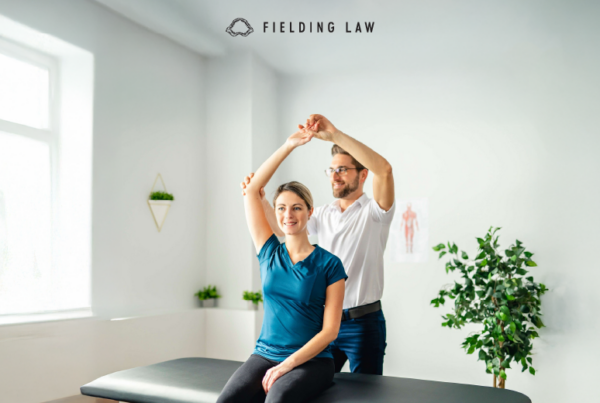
(253, 299)
(161, 196)
(208, 296)
(497, 292)
(159, 203)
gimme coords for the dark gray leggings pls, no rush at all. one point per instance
(297, 386)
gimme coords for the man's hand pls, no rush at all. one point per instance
(246, 182)
(320, 127)
(275, 373)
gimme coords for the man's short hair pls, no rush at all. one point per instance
(339, 150)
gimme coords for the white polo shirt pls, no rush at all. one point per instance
(358, 237)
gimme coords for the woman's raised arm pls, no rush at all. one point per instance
(260, 230)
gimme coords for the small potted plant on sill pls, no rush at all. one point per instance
(208, 296)
(159, 203)
(253, 299)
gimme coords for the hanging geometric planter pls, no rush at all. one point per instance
(159, 203)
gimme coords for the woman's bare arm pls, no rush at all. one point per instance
(269, 210)
(259, 227)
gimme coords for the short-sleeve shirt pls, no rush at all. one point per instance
(358, 237)
(294, 298)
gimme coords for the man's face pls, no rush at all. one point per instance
(343, 185)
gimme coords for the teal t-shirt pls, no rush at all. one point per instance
(294, 298)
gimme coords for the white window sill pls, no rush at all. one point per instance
(45, 316)
(86, 313)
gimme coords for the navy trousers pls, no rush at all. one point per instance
(362, 341)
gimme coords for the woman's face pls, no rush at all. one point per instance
(292, 213)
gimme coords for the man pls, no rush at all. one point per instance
(355, 228)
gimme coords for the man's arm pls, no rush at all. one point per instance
(383, 179)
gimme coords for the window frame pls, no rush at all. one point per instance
(49, 135)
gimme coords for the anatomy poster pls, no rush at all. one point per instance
(409, 233)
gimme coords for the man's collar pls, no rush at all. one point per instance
(361, 200)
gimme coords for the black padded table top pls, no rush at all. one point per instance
(200, 380)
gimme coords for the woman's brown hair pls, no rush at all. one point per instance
(298, 188)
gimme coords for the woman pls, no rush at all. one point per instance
(303, 287)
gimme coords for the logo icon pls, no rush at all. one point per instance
(231, 32)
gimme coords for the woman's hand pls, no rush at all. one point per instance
(300, 138)
(320, 127)
(274, 373)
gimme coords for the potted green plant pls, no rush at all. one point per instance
(253, 299)
(495, 291)
(208, 296)
(159, 203)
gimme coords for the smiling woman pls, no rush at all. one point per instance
(303, 288)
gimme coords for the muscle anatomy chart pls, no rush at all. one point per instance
(409, 234)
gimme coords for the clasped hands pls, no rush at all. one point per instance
(316, 126)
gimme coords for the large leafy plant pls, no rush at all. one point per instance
(497, 292)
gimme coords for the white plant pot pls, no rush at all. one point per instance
(252, 306)
(159, 209)
(209, 303)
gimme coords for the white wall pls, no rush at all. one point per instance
(231, 334)
(229, 145)
(495, 146)
(242, 132)
(47, 361)
(265, 134)
(149, 117)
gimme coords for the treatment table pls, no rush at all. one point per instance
(200, 380)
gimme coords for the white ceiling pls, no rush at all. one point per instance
(408, 35)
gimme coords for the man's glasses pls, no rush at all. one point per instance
(340, 171)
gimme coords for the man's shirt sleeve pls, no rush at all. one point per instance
(380, 215)
(313, 224)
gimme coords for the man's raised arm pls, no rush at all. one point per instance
(383, 180)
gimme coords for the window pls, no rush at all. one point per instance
(24, 92)
(25, 225)
(46, 91)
